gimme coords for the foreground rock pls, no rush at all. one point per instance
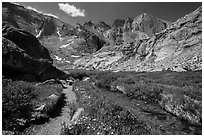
(182, 106)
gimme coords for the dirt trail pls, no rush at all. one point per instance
(53, 127)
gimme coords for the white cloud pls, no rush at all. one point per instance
(41, 12)
(71, 10)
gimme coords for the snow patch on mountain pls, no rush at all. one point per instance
(66, 45)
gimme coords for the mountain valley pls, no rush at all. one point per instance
(136, 76)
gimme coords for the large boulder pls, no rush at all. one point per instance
(182, 106)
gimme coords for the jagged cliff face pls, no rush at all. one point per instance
(144, 24)
(127, 25)
(178, 47)
(149, 24)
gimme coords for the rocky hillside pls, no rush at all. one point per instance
(23, 55)
(63, 41)
(36, 23)
(178, 47)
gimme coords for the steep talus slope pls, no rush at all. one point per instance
(178, 48)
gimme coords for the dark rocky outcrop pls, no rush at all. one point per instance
(118, 23)
(16, 61)
(27, 42)
(24, 57)
(93, 40)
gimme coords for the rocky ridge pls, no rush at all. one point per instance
(178, 47)
(34, 22)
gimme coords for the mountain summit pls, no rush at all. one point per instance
(149, 24)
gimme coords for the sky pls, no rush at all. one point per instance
(81, 12)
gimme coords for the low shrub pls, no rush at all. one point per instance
(101, 116)
(19, 100)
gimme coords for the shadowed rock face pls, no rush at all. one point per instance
(17, 61)
(27, 42)
(23, 56)
(118, 23)
(93, 39)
